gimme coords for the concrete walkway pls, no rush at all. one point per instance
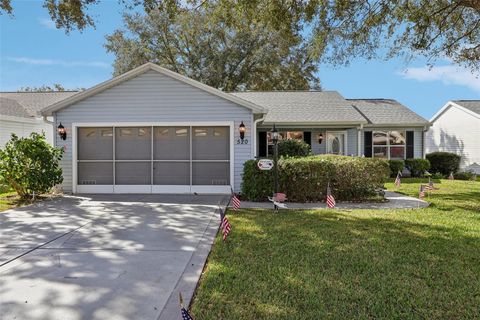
(395, 201)
(104, 256)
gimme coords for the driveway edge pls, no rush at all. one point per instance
(191, 274)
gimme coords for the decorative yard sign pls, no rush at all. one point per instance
(265, 164)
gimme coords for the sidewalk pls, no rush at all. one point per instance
(395, 201)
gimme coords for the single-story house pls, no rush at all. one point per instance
(456, 128)
(20, 113)
(152, 130)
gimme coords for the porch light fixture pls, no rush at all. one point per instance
(274, 133)
(242, 129)
(320, 138)
(62, 132)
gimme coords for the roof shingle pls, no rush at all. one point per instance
(319, 107)
(472, 105)
(31, 102)
(387, 111)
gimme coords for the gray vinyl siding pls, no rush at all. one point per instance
(352, 141)
(417, 139)
(154, 97)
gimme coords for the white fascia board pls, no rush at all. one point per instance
(452, 104)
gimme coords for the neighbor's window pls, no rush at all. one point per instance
(282, 135)
(389, 145)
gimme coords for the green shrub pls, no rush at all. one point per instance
(444, 162)
(437, 175)
(293, 148)
(464, 175)
(417, 167)
(305, 179)
(30, 165)
(396, 166)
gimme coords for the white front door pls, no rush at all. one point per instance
(337, 142)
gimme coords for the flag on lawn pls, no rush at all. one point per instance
(397, 180)
(451, 177)
(330, 199)
(421, 192)
(235, 201)
(224, 225)
(185, 314)
(430, 185)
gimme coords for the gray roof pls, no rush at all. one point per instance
(10, 107)
(320, 107)
(29, 104)
(387, 111)
(472, 105)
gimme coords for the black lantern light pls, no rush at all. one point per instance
(320, 138)
(62, 132)
(274, 132)
(242, 129)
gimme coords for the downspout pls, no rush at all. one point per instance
(359, 140)
(424, 134)
(48, 121)
(254, 134)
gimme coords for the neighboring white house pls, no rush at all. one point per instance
(456, 128)
(20, 113)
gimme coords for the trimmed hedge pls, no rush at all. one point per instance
(444, 162)
(395, 167)
(305, 179)
(417, 167)
(294, 148)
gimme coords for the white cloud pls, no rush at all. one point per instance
(47, 23)
(54, 62)
(448, 74)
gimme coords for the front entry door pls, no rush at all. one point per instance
(336, 142)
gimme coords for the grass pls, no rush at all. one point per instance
(338, 264)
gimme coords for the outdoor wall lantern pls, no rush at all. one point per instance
(320, 138)
(62, 132)
(242, 129)
(274, 132)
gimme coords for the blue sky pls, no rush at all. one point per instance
(33, 53)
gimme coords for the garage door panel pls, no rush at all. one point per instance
(133, 143)
(95, 143)
(210, 143)
(211, 173)
(171, 173)
(171, 143)
(132, 173)
(95, 173)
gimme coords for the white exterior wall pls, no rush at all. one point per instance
(22, 127)
(456, 131)
(153, 97)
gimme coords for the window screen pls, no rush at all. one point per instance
(95, 173)
(133, 143)
(171, 143)
(171, 173)
(132, 173)
(210, 173)
(95, 143)
(210, 143)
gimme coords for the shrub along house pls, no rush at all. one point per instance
(151, 130)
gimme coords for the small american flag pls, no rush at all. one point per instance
(397, 180)
(451, 177)
(235, 202)
(224, 225)
(430, 185)
(330, 199)
(421, 192)
(185, 314)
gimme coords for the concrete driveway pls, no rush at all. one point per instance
(104, 256)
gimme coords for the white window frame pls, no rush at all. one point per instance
(212, 189)
(345, 147)
(388, 145)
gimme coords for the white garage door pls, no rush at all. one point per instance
(157, 159)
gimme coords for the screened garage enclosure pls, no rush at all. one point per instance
(153, 159)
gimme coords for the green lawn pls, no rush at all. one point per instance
(8, 200)
(397, 264)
